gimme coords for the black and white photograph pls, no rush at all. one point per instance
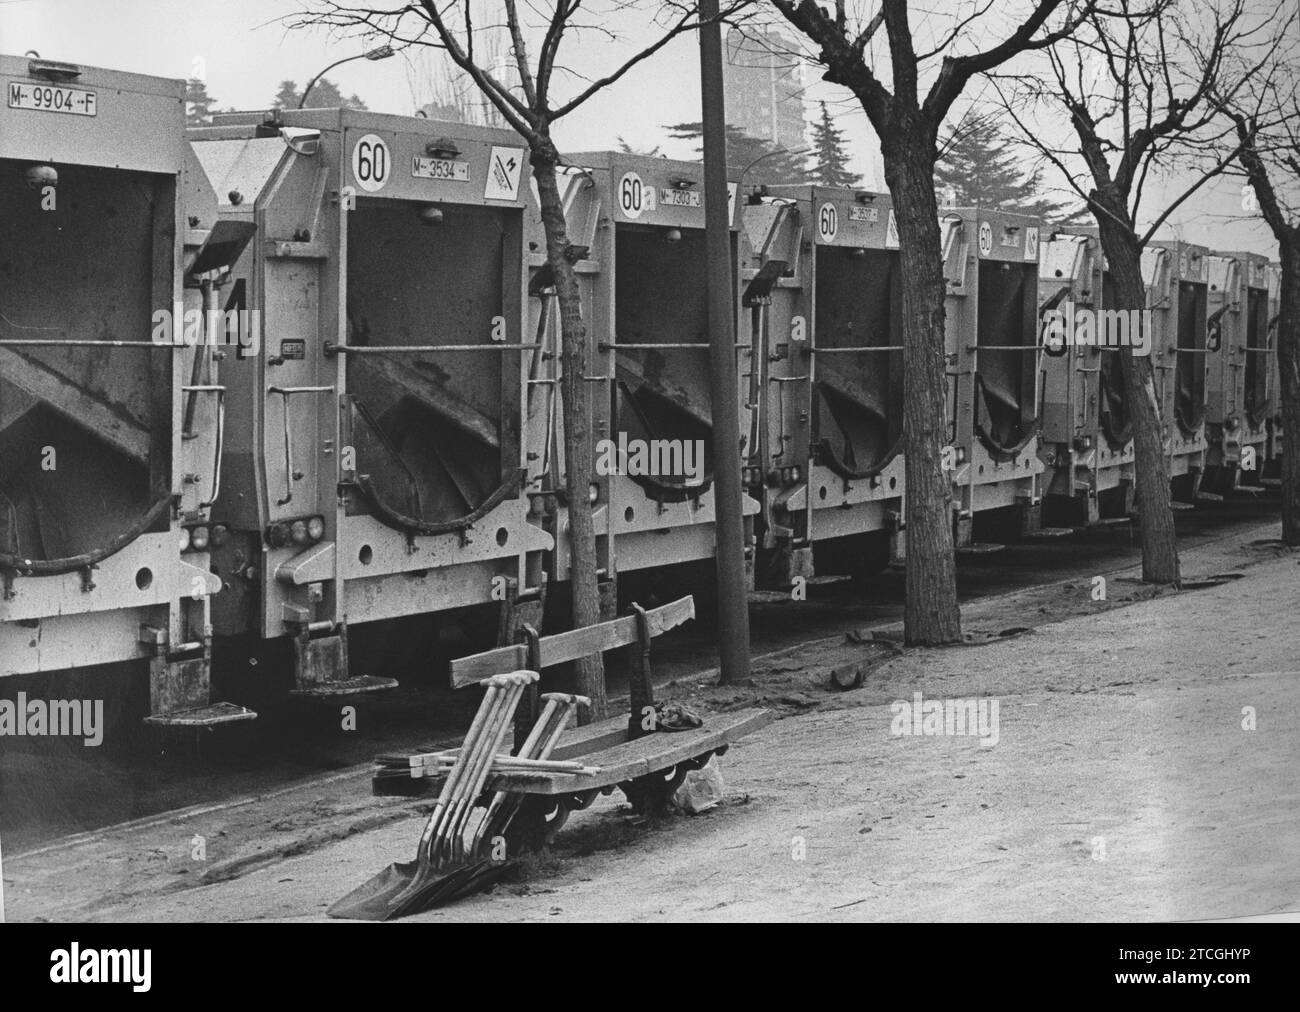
(568, 461)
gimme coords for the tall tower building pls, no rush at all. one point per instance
(764, 87)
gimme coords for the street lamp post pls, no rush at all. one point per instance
(740, 183)
(378, 53)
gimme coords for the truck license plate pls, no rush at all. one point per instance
(440, 168)
(50, 98)
(679, 198)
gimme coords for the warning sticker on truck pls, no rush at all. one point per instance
(505, 168)
(1031, 243)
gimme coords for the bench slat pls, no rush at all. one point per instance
(473, 669)
(561, 648)
(578, 741)
(631, 759)
(575, 741)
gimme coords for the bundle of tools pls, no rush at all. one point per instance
(450, 861)
(436, 764)
(394, 769)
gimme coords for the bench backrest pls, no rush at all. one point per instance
(561, 648)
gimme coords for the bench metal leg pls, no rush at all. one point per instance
(529, 711)
(640, 680)
(651, 794)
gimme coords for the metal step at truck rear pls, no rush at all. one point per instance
(320, 665)
(179, 685)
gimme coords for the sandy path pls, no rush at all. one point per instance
(1122, 786)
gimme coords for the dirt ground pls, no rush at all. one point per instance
(1126, 783)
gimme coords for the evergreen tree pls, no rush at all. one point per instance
(830, 160)
(778, 166)
(977, 167)
(324, 94)
(198, 103)
(627, 149)
(287, 97)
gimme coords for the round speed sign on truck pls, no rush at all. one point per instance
(634, 196)
(371, 162)
(828, 222)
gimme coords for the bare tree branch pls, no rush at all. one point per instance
(520, 51)
(957, 71)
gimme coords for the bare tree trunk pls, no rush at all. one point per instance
(1288, 360)
(931, 612)
(1155, 515)
(578, 453)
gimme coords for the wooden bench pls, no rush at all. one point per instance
(645, 762)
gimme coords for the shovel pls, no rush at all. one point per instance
(475, 871)
(407, 888)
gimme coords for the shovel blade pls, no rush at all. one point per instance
(470, 879)
(385, 896)
(401, 889)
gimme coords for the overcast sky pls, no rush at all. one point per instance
(244, 51)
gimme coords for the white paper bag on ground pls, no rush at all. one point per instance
(701, 790)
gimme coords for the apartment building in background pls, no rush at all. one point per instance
(764, 87)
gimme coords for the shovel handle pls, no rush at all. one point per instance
(567, 697)
(520, 677)
(491, 703)
(453, 841)
(560, 707)
(534, 736)
(445, 796)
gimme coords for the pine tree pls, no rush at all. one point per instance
(287, 97)
(777, 165)
(830, 160)
(324, 94)
(627, 149)
(978, 168)
(198, 103)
